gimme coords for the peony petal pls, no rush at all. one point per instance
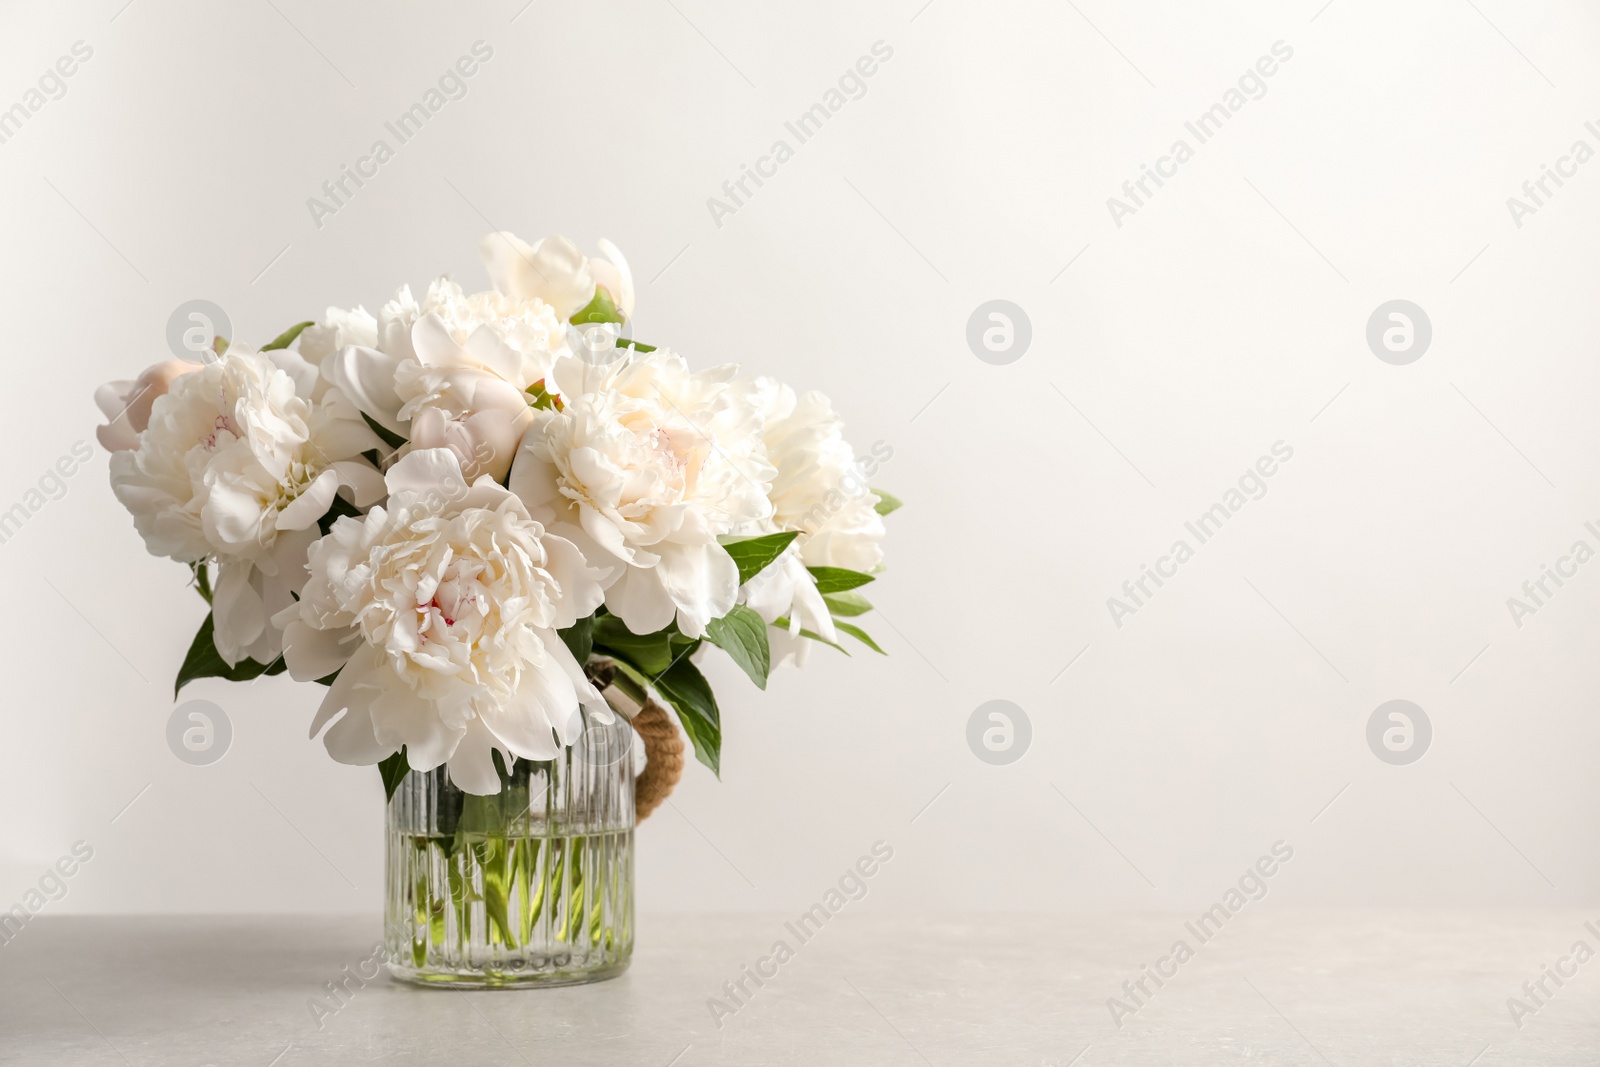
(608, 536)
(617, 278)
(534, 481)
(486, 347)
(640, 600)
(237, 610)
(508, 259)
(543, 698)
(351, 740)
(588, 696)
(582, 586)
(366, 376)
(810, 610)
(554, 271)
(702, 580)
(112, 398)
(367, 485)
(435, 345)
(312, 503)
(298, 368)
(428, 470)
(116, 437)
(343, 692)
(401, 717)
(471, 769)
(312, 653)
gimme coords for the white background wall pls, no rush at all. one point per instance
(1224, 316)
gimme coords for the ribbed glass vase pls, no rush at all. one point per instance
(532, 886)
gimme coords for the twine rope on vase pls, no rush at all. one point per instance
(657, 731)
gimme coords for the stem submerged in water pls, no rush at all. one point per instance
(495, 890)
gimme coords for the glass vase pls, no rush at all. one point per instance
(532, 886)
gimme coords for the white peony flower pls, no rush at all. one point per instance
(440, 611)
(236, 464)
(555, 272)
(817, 489)
(452, 372)
(339, 327)
(646, 466)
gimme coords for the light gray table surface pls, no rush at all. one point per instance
(1274, 987)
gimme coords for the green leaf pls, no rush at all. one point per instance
(860, 635)
(846, 605)
(388, 437)
(650, 653)
(329, 679)
(600, 309)
(742, 634)
(219, 345)
(753, 554)
(202, 578)
(887, 502)
(637, 346)
(394, 769)
(686, 689)
(579, 638)
(204, 661)
(286, 338)
(837, 579)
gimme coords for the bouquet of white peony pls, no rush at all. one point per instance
(460, 514)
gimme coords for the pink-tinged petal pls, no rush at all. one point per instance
(312, 503)
(112, 398)
(116, 437)
(366, 376)
(127, 404)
